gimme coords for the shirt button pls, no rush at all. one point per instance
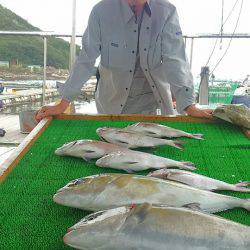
(147, 28)
(130, 71)
(186, 89)
(121, 105)
(133, 51)
(145, 49)
(146, 69)
(153, 86)
(135, 31)
(126, 88)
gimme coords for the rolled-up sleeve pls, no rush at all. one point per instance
(175, 63)
(84, 65)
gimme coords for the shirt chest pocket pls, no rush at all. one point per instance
(118, 56)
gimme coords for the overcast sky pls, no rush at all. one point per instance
(196, 16)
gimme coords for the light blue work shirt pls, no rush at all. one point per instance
(113, 34)
(141, 99)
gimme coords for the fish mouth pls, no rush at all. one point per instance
(89, 219)
(63, 149)
(71, 184)
(59, 151)
(99, 216)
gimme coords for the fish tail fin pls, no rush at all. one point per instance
(176, 144)
(246, 204)
(242, 186)
(187, 165)
(198, 136)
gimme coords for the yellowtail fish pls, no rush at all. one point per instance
(107, 191)
(147, 227)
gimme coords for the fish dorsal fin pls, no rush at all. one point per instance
(136, 216)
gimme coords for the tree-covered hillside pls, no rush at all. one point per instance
(29, 50)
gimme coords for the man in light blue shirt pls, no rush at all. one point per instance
(143, 61)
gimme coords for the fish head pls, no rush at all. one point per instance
(81, 192)
(222, 113)
(65, 148)
(109, 134)
(102, 132)
(87, 149)
(111, 160)
(237, 114)
(97, 229)
(160, 173)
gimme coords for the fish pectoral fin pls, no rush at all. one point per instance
(136, 216)
(86, 159)
(193, 206)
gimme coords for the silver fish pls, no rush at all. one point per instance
(132, 161)
(198, 181)
(134, 140)
(87, 149)
(160, 131)
(236, 114)
(107, 191)
(147, 227)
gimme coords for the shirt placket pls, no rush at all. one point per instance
(131, 33)
(144, 43)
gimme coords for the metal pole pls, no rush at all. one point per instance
(204, 85)
(44, 68)
(191, 53)
(185, 42)
(73, 37)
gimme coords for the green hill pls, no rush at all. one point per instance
(29, 50)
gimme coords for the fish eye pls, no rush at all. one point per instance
(77, 182)
(94, 216)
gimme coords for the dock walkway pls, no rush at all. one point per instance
(26, 96)
(12, 138)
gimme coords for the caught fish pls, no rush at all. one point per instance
(160, 131)
(107, 191)
(198, 181)
(236, 114)
(132, 161)
(147, 227)
(88, 149)
(134, 140)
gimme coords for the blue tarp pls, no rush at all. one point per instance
(245, 99)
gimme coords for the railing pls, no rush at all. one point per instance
(46, 35)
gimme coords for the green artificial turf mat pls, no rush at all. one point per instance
(29, 219)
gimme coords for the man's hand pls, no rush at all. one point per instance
(192, 110)
(51, 110)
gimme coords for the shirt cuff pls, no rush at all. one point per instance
(184, 98)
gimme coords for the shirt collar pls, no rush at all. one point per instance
(128, 13)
